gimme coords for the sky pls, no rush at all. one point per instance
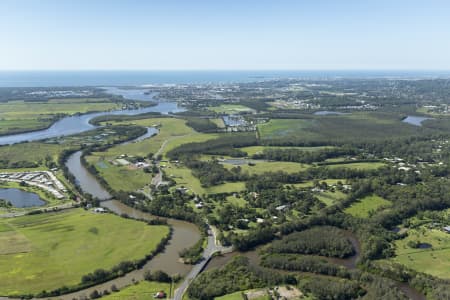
(228, 35)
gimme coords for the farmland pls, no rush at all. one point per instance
(369, 204)
(44, 252)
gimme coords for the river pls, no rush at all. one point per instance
(81, 123)
(184, 234)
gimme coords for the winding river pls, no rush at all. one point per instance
(184, 234)
(81, 123)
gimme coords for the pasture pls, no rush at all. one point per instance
(341, 128)
(144, 290)
(364, 207)
(434, 260)
(230, 109)
(48, 251)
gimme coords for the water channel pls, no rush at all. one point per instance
(80, 123)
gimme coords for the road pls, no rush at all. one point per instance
(212, 247)
(48, 208)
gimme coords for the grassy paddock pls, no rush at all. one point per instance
(342, 128)
(252, 150)
(271, 166)
(144, 290)
(362, 208)
(434, 260)
(183, 177)
(230, 109)
(47, 251)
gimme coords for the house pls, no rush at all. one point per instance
(199, 205)
(446, 229)
(160, 295)
(182, 190)
(259, 220)
(281, 207)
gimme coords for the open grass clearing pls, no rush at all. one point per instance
(285, 128)
(50, 250)
(364, 207)
(358, 165)
(144, 290)
(348, 127)
(252, 150)
(32, 152)
(125, 178)
(184, 178)
(230, 109)
(310, 183)
(330, 198)
(434, 260)
(270, 166)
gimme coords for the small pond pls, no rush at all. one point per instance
(415, 120)
(327, 112)
(19, 198)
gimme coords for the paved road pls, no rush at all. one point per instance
(48, 208)
(212, 247)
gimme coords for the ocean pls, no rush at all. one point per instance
(138, 78)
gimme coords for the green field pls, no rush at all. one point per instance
(252, 150)
(17, 116)
(361, 126)
(47, 251)
(31, 152)
(311, 183)
(232, 296)
(330, 198)
(271, 166)
(169, 128)
(183, 177)
(366, 205)
(285, 128)
(144, 290)
(115, 175)
(230, 109)
(434, 260)
(358, 165)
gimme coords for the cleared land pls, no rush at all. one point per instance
(259, 149)
(270, 166)
(434, 260)
(366, 205)
(330, 198)
(364, 126)
(144, 290)
(47, 251)
(183, 177)
(172, 133)
(230, 108)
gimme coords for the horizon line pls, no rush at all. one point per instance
(226, 70)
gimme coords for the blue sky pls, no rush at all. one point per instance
(249, 35)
